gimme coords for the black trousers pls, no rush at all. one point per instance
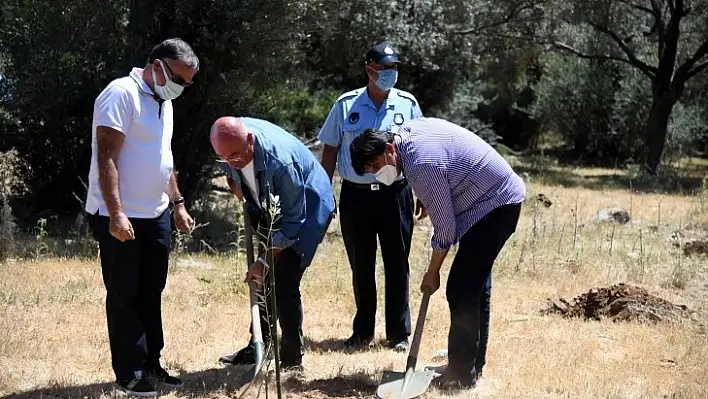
(134, 274)
(288, 274)
(388, 214)
(469, 290)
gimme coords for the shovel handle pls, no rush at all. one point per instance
(415, 345)
(253, 297)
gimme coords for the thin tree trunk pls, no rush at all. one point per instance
(655, 130)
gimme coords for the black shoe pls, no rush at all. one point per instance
(244, 356)
(160, 376)
(448, 381)
(356, 341)
(398, 345)
(138, 386)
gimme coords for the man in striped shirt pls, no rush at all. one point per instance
(473, 198)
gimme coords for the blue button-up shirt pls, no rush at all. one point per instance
(285, 167)
(457, 176)
(354, 112)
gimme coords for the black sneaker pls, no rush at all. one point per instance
(447, 381)
(160, 376)
(356, 341)
(243, 356)
(138, 386)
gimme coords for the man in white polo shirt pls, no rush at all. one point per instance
(131, 187)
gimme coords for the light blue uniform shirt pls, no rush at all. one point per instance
(354, 112)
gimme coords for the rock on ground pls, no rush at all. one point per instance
(616, 215)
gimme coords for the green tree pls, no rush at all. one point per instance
(63, 53)
(665, 40)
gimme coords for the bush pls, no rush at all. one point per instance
(597, 107)
(7, 221)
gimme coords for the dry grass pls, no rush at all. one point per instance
(53, 338)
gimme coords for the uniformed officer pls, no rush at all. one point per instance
(368, 209)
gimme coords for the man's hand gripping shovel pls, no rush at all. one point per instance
(396, 385)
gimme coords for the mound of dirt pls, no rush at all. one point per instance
(696, 247)
(621, 302)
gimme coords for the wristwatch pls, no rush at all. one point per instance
(176, 202)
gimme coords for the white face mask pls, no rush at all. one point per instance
(170, 90)
(387, 174)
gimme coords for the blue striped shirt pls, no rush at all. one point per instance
(457, 176)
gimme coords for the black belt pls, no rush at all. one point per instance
(374, 186)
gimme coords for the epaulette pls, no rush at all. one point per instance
(407, 96)
(348, 95)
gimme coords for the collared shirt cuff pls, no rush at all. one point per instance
(281, 241)
(439, 247)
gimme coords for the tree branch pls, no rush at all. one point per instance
(658, 25)
(638, 7)
(700, 68)
(580, 54)
(648, 70)
(684, 72)
(517, 9)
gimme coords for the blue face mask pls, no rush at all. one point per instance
(387, 79)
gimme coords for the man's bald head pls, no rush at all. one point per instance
(232, 141)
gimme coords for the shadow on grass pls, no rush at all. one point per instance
(670, 181)
(341, 386)
(337, 345)
(224, 381)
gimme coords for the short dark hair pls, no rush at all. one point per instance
(367, 146)
(175, 49)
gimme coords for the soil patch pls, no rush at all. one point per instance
(621, 302)
(696, 247)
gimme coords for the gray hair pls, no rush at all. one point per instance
(175, 49)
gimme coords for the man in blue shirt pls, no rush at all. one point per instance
(264, 163)
(368, 209)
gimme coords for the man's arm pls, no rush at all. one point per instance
(331, 136)
(172, 188)
(434, 191)
(183, 220)
(329, 160)
(289, 185)
(109, 142)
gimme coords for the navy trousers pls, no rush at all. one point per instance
(134, 274)
(288, 273)
(386, 213)
(469, 290)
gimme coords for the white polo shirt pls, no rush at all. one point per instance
(145, 160)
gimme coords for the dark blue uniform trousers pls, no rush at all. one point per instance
(469, 287)
(388, 214)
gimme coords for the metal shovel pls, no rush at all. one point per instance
(395, 385)
(255, 374)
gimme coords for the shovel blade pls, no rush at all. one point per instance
(254, 376)
(395, 385)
